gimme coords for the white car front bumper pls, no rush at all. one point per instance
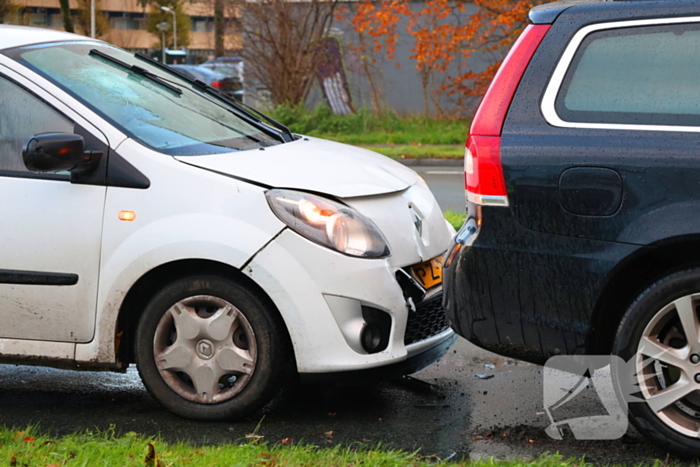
(321, 294)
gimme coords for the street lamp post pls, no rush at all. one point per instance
(170, 10)
(92, 18)
(162, 27)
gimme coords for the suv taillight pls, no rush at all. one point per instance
(483, 172)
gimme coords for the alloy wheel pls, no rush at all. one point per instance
(668, 365)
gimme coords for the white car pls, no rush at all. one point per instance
(146, 219)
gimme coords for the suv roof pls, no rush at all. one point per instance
(548, 13)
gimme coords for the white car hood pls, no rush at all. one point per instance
(313, 164)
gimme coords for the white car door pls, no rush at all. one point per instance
(50, 229)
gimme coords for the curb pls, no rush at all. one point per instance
(431, 162)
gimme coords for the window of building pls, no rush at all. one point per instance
(38, 19)
(202, 24)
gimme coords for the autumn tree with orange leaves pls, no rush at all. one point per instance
(444, 37)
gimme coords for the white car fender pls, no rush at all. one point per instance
(202, 218)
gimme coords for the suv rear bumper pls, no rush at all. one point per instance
(522, 293)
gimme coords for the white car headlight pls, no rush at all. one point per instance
(328, 223)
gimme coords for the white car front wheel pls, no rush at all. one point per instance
(208, 349)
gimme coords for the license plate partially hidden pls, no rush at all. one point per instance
(429, 273)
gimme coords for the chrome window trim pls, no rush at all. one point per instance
(550, 95)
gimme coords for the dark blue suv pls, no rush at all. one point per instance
(583, 187)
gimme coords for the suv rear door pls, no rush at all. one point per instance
(606, 146)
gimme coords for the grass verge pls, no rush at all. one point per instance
(29, 448)
(441, 151)
(365, 128)
(456, 218)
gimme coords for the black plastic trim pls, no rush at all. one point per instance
(33, 175)
(12, 276)
(122, 174)
(96, 174)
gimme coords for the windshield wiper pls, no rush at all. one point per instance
(138, 70)
(248, 111)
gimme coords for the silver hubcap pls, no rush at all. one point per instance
(205, 349)
(667, 365)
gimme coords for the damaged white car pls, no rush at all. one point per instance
(148, 219)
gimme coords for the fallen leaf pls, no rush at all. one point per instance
(13, 462)
(29, 439)
(151, 459)
(253, 436)
(329, 434)
(287, 440)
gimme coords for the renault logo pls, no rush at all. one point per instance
(417, 221)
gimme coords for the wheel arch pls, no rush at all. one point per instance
(630, 278)
(155, 279)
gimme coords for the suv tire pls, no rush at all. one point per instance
(652, 337)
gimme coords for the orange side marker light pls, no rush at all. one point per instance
(127, 216)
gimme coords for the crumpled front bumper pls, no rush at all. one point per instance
(321, 294)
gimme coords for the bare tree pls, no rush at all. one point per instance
(65, 12)
(219, 28)
(281, 44)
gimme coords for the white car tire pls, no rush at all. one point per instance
(209, 349)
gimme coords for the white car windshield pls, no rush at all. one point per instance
(148, 103)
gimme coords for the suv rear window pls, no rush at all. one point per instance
(640, 75)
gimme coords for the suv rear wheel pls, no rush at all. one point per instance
(660, 338)
(208, 349)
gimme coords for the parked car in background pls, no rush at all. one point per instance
(227, 66)
(231, 67)
(150, 221)
(583, 232)
(232, 87)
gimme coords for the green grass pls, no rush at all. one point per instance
(419, 152)
(456, 218)
(365, 128)
(31, 448)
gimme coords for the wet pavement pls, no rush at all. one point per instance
(447, 411)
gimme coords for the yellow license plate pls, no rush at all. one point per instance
(429, 273)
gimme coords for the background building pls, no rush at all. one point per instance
(127, 24)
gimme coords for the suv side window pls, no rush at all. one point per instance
(639, 75)
(23, 115)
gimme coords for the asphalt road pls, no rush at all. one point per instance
(447, 184)
(447, 410)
